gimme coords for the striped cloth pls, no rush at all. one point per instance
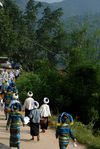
(64, 133)
(14, 122)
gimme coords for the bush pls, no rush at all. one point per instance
(82, 134)
(29, 82)
(85, 136)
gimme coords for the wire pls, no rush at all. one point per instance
(40, 45)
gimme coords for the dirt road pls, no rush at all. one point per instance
(47, 140)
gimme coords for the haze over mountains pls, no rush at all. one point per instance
(71, 7)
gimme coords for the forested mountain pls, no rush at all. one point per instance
(74, 11)
(21, 3)
(78, 7)
(71, 7)
(40, 43)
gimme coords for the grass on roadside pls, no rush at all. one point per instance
(85, 136)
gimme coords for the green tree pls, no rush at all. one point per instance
(26, 52)
(49, 30)
(6, 33)
(83, 83)
(10, 27)
(31, 17)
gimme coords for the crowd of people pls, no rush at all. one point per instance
(33, 117)
(7, 88)
(36, 116)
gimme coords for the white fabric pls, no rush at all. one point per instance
(30, 94)
(46, 100)
(1, 105)
(28, 104)
(5, 75)
(17, 72)
(13, 102)
(36, 104)
(1, 4)
(15, 96)
(26, 120)
(45, 110)
(11, 75)
(74, 144)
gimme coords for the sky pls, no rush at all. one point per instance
(50, 1)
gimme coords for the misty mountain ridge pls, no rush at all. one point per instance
(71, 7)
(75, 12)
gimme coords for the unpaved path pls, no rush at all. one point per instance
(47, 140)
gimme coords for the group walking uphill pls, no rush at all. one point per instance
(35, 116)
(30, 114)
(32, 118)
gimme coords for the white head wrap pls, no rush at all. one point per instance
(30, 94)
(15, 96)
(46, 100)
(1, 4)
(36, 104)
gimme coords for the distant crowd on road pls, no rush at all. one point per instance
(7, 87)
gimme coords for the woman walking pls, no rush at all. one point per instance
(45, 113)
(35, 116)
(64, 133)
(28, 104)
(14, 121)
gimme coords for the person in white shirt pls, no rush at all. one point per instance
(28, 104)
(45, 113)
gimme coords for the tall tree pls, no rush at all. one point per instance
(49, 28)
(31, 16)
(6, 32)
(10, 26)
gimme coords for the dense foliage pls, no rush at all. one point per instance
(62, 65)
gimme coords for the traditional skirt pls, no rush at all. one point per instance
(63, 145)
(27, 112)
(14, 136)
(34, 129)
(44, 122)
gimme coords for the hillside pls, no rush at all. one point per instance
(78, 7)
(71, 7)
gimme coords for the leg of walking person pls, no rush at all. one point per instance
(32, 138)
(63, 146)
(38, 138)
(18, 147)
